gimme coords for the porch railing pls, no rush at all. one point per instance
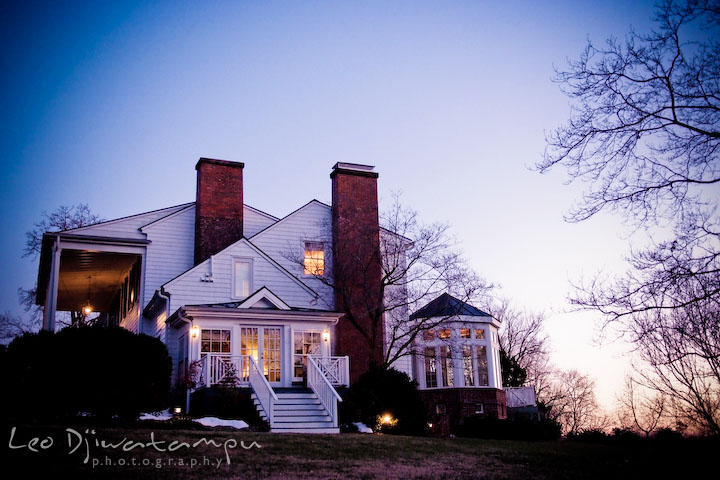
(320, 384)
(336, 369)
(226, 370)
(264, 392)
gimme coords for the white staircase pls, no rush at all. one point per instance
(297, 411)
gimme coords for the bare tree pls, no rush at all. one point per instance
(524, 342)
(63, 218)
(643, 134)
(680, 355)
(418, 262)
(12, 326)
(574, 404)
(640, 410)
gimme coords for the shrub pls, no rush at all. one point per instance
(510, 429)
(102, 371)
(385, 391)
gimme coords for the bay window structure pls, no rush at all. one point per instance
(458, 358)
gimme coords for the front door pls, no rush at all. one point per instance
(264, 344)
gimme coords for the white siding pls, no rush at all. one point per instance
(128, 227)
(189, 289)
(285, 243)
(254, 221)
(170, 252)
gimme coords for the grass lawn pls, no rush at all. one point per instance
(333, 456)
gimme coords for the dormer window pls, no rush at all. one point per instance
(314, 260)
(242, 276)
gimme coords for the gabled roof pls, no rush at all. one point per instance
(257, 250)
(294, 212)
(448, 306)
(264, 296)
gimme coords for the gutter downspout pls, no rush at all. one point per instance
(182, 317)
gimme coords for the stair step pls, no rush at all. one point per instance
(326, 424)
(302, 418)
(327, 430)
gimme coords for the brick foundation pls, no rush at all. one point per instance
(447, 407)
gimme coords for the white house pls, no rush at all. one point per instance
(233, 291)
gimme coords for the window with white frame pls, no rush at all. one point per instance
(314, 259)
(482, 362)
(447, 367)
(430, 368)
(468, 371)
(242, 278)
(215, 341)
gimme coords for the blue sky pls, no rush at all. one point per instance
(112, 103)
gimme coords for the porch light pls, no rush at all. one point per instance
(194, 331)
(386, 419)
(326, 336)
(87, 309)
(177, 410)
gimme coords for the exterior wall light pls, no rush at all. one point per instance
(177, 410)
(194, 331)
(326, 336)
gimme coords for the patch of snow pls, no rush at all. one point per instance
(84, 414)
(221, 422)
(159, 416)
(362, 428)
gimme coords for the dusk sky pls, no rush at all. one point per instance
(112, 103)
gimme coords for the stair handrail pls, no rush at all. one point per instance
(260, 385)
(324, 390)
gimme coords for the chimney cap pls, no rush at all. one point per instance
(353, 169)
(226, 163)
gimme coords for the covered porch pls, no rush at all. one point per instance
(90, 275)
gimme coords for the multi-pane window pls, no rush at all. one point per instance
(444, 333)
(480, 333)
(482, 363)
(468, 373)
(314, 260)
(464, 333)
(215, 341)
(446, 367)
(305, 343)
(430, 368)
(243, 278)
(428, 335)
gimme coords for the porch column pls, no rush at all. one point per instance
(50, 306)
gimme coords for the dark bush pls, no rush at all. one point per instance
(591, 435)
(510, 429)
(385, 391)
(101, 371)
(668, 435)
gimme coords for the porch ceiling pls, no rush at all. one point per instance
(106, 271)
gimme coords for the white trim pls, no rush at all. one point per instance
(264, 293)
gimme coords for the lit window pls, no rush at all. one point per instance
(464, 333)
(446, 367)
(480, 333)
(444, 333)
(314, 262)
(430, 368)
(429, 335)
(243, 278)
(482, 362)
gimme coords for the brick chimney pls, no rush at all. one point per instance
(356, 264)
(218, 207)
